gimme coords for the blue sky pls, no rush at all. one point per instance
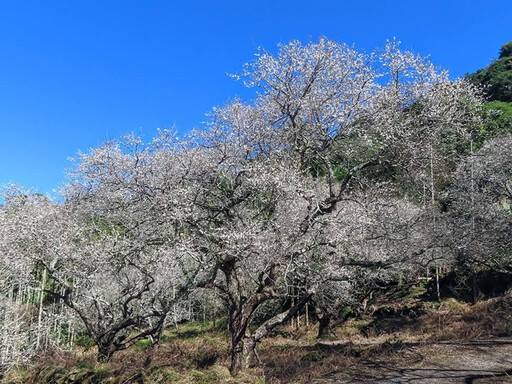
(75, 73)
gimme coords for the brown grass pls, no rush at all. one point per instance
(292, 356)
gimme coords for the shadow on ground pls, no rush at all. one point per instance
(481, 361)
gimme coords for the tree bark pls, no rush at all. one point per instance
(40, 314)
(242, 345)
(242, 354)
(323, 327)
(243, 349)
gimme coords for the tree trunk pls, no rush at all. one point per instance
(242, 354)
(323, 327)
(475, 289)
(244, 348)
(240, 310)
(241, 342)
(40, 314)
(307, 315)
(438, 291)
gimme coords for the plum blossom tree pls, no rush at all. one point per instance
(327, 121)
(105, 255)
(127, 195)
(374, 239)
(21, 283)
(17, 335)
(243, 234)
(481, 197)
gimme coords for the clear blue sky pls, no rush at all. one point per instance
(75, 73)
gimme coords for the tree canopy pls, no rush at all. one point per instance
(506, 50)
(496, 79)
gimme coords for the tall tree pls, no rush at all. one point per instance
(496, 78)
(481, 207)
(327, 121)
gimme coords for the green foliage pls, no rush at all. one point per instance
(346, 312)
(84, 340)
(506, 50)
(101, 227)
(498, 116)
(505, 205)
(432, 304)
(345, 154)
(99, 376)
(264, 205)
(84, 365)
(497, 121)
(188, 330)
(451, 304)
(142, 344)
(164, 375)
(496, 79)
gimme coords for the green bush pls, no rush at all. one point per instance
(85, 341)
(346, 312)
(498, 118)
(496, 79)
(141, 344)
(506, 50)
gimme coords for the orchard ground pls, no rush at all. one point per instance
(414, 342)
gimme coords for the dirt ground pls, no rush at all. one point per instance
(480, 361)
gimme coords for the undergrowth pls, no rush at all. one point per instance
(198, 353)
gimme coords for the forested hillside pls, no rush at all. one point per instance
(359, 204)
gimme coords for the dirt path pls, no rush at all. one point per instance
(479, 361)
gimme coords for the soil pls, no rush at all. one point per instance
(478, 361)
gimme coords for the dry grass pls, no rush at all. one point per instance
(199, 354)
(182, 358)
(483, 320)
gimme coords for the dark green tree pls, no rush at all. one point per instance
(496, 79)
(506, 50)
